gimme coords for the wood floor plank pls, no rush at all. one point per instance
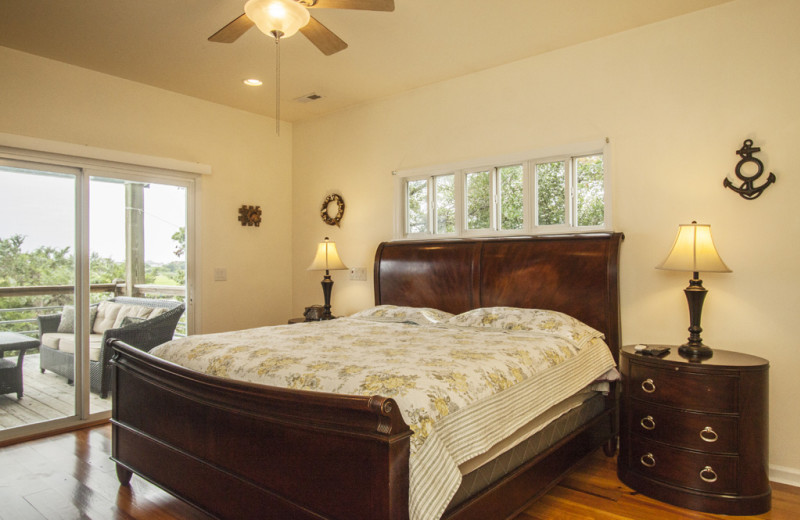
(71, 476)
(15, 507)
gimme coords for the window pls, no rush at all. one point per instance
(511, 208)
(550, 192)
(417, 204)
(479, 200)
(445, 203)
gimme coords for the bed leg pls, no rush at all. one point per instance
(124, 475)
(610, 447)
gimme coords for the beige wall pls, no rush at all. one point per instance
(251, 165)
(676, 99)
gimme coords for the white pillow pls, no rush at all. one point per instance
(133, 311)
(107, 313)
(536, 320)
(418, 315)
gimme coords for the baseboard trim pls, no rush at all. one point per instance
(784, 475)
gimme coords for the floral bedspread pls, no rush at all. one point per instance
(458, 383)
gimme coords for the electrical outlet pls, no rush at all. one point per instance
(358, 273)
(220, 274)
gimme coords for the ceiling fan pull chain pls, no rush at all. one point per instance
(277, 84)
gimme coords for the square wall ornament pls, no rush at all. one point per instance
(250, 215)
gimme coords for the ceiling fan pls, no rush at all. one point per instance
(283, 18)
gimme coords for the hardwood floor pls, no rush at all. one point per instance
(70, 476)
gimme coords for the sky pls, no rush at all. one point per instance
(42, 208)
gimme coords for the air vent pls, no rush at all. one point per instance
(308, 98)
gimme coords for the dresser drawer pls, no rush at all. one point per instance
(700, 392)
(691, 430)
(690, 469)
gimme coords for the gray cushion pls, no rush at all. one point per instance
(130, 320)
(67, 323)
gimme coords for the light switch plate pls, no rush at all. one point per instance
(220, 274)
(358, 273)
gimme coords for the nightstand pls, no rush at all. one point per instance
(694, 434)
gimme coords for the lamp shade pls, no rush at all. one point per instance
(694, 251)
(327, 258)
(277, 17)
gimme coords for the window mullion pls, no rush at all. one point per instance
(528, 196)
(431, 206)
(460, 201)
(571, 181)
(494, 218)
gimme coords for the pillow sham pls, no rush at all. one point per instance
(536, 320)
(418, 315)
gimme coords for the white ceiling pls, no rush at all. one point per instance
(163, 43)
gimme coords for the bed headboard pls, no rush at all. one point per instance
(574, 274)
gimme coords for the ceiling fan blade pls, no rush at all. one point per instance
(231, 32)
(323, 37)
(366, 5)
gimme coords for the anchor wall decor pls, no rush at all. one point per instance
(748, 189)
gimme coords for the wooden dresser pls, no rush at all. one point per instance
(694, 434)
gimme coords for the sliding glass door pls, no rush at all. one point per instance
(72, 241)
(138, 245)
(37, 278)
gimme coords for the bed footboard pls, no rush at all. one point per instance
(238, 450)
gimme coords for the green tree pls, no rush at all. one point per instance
(479, 200)
(551, 198)
(45, 266)
(512, 210)
(590, 190)
(42, 266)
(417, 195)
(180, 237)
(445, 203)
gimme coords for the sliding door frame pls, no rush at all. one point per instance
(84, 163)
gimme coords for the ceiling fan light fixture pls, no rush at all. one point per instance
(280, 18)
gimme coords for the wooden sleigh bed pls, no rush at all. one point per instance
(245, 451)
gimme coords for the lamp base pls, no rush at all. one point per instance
(327, 287)
(695, 352)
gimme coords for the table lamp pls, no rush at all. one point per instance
(327, 259)
(694, 251)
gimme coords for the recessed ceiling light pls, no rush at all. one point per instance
(252, 82)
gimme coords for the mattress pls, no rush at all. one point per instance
(457, 380)
(482, 472)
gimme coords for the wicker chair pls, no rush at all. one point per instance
(144, 335)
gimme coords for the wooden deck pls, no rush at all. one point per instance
(47, 396)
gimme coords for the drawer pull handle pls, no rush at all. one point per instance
(649, 461)
(648, 386)
(648, 423)
(708, 434)
(708, 474)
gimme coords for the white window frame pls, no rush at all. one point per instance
(528, 160)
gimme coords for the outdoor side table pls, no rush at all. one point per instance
(10, 372)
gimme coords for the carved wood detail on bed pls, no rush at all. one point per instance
(239, 450)
(574, 274)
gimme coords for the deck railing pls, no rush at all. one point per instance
(115, 289)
